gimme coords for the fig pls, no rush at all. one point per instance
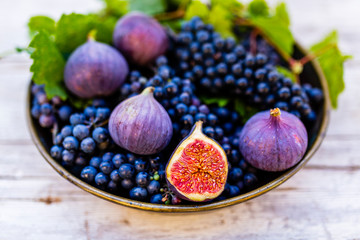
(95, 69)
(140, 124)
(198, 168)
(273, 140)
(140, 38)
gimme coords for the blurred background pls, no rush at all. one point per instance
(322, 201)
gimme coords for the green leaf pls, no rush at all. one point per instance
(286, 73)
(281, 13)
(244, 110)
(258, 8)
(48, 65)
(331, 61)
(277, 31)
(41, 23)
(72, 31)
(222, 20)
(150, 7)
(233, 6)
(196, 8)
(221, 102)
(116, 8)
(104, 30)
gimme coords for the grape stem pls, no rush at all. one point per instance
(253, 35)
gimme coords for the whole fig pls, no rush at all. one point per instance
(95, 69)
(273, 140)
(198, 168)
(140, 38)
(140, 124)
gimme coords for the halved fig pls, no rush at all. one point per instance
(198, 168)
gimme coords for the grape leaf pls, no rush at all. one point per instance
(276, 28)
(286, 73)
(104, 29)
(331, 61)
(258, 8)
(222, 20)
(281, 13)
(150, 7)
(196, 8)
(244, 110)
(72, 31)
(48, 65)
(221, 102)
(41, 23)
(233, 6)
(116, 8)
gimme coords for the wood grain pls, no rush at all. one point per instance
(322, 201)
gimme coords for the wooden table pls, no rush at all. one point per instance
(322, 201)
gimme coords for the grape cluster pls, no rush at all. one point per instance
(221, 66)
(46, 111)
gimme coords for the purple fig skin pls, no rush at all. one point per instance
(273, 141)
(95, 69)
(140, 38)
(140, 124)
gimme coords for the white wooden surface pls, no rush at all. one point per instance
(322, 201)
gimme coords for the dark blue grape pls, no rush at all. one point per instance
(171, 88)
(101, 179)
(115, 176)
(200, 117)
(164, 72)
(153, 187)
(240, 51)
(250, 180)
(46, 109)
(138, 193)
(263, 88)
(209, 131)
(126, 171)
(88, 145)
(235, 174)
(242, 83)
(315, 94)
(187, 120)
(112, 186)
(107, 157)
(154, 162)
(158, 92)
(260, 59)
(248, 72)
(134, 76)
(127, 184)
(68, 157)
(219, 133)
(80, 161)
(181, 109)
(88, 174)
(284, 93)
(230, 58)
(157, 199)
(212, 119)
(95, 162)
(131, 158)
(100, 134)
(142, 179)
(47, 121)
(90, 112)
(140, 165)
(221, 68)
(233, 191)
(282, 105)
(270, 99)
(102, 114)
(273, 76)
(249, 61)
(193, 110)
(55, 152)
(161, 61)
(125, 89)
(202, 36)
(118, 159)
(70, 143)
(296, 102)
(58, 139)
(205, 82)
(80, 131)
(36, 111)
(185, 37)
(77, 118)
(260, 74)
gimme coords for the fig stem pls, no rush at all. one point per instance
(198, 127)
(148, 90)
(275, 112)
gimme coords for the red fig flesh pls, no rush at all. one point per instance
(273, 140)
(198, 168)
(140, 124)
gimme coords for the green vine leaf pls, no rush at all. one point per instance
(331, 61)
(41, 23)
(48, 65)
(197, 8)
(150, 7)
(258, 8)
(221, 102)
(222, 20)
(286, 72)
